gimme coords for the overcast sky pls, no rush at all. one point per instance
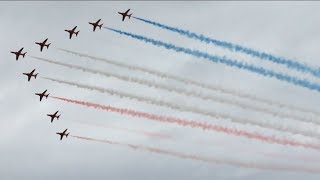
(30, 149)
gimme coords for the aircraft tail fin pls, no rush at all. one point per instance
(47, 95)
(24, 54)
(100, 26)
(35, 76)
(67, 134)
(58, 116)
(48, 45)
(77, 33)
(129, 16)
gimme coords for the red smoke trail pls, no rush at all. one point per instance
(292, 157)
(136, 131)
(201, 158)
(164, 136)
(190, 123)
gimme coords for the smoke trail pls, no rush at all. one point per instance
(136, 131)
(230, 62)
(195, 83)
(201, 158)
(163, 136)
(193, 124)
(178, 107)
(213, 98)
(315, 71)
(291, 157)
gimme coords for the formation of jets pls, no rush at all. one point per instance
(44, 44)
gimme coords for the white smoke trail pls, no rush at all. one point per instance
(211, 97)
(196, 83)
(196, 110)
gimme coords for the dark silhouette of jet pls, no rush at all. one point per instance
(30, 74)
(43, 44)
(96, 24)
(19, 53)
(125, 14)
(72, 31)
(63, 134)
(43, 94)
(54, 116)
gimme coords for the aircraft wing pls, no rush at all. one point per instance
(127, 11)
(50, 115)
(20, 51)
(123, 17)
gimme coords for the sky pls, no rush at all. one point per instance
(30, 149)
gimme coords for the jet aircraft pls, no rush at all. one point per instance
(63, 134)
(43, 44)
(54, 116)
(96, 24)
(43, 94)
(72, 31)
(125, 14)
(19, 53)
(30, 74)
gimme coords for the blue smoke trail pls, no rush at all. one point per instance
(233, 47)
(230, 62)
